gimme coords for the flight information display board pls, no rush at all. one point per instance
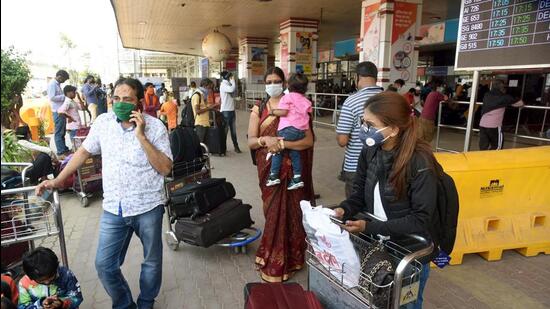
(503, 34)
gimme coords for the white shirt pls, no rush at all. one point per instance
(129, 181)
(226, 89)
(378, 206)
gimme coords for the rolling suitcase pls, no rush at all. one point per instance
(216, 139)
(278, 296)
(224, 221)
(200, 197)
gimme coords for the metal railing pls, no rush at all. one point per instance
(320, 103)
(463, 128)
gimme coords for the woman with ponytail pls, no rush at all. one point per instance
(396, 178)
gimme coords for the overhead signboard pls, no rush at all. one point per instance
(503, 34)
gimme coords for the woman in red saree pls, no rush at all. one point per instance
(283, 245)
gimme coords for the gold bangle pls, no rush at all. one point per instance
(260, 141)
(282, 144)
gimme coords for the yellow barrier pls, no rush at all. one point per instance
(504, 201)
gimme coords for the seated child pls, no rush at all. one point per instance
(46, 284)
(294, 109)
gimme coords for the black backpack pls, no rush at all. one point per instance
(447, 206)
(187, 115)
(186, 151)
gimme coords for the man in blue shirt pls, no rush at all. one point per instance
(56, 96)
(89, 90)
(351, 120)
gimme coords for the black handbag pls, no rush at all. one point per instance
(378, 271)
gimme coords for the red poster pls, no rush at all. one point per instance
(371, 12)
(404, 18)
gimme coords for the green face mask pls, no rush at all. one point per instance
(123, 110)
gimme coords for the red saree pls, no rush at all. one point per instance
(283, 245)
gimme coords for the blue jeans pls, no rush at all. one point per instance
(289, 134)
(229, 117)
(60, 123)
(423, 279)
(72, 134)
(115, 233)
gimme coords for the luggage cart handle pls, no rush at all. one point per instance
(407, 259)
(26, 166)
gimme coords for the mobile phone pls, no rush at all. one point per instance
(337, 221)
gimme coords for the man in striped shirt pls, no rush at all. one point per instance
(351, 119)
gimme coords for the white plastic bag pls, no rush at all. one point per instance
(331, 244)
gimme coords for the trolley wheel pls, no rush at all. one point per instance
(172, 241)
(84, 202)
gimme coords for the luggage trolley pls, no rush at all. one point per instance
(196, 170)
(333, 294)
(88, 175)
(26, 217)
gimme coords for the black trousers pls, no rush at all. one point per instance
(201, 133)
(490, 138)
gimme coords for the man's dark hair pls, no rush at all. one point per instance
(225, 75)
(147, 85)
(6, 290)
(391, 88)
(297, 82)
(68, 89)
(400, 82)
(205, 82)
(7, 303)
(134, 84)
(412, 90)
(498, 84)
(88, 78)
(62, 73)
(193, 85)
(40, 263)
(366, 69)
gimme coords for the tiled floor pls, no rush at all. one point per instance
(214, 278)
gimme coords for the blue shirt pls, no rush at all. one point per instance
(55, 94)
(350, 121)
(89, 92)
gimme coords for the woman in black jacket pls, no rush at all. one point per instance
(396, 177)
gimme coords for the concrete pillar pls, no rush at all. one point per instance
(389, 35)
(298, 47)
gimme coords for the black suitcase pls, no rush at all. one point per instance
(200, 197)
(216, 139)
(224, 221)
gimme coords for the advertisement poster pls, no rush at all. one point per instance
(204, 67)
(324, 56)
(284, 53)
(304, 53)
(257, 54)
(432, 34)
(403, 33)
(258, 63)
(371, 34)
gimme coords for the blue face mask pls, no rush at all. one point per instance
(370, 136)
(204, 90)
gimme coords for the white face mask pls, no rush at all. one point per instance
(274, 90)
